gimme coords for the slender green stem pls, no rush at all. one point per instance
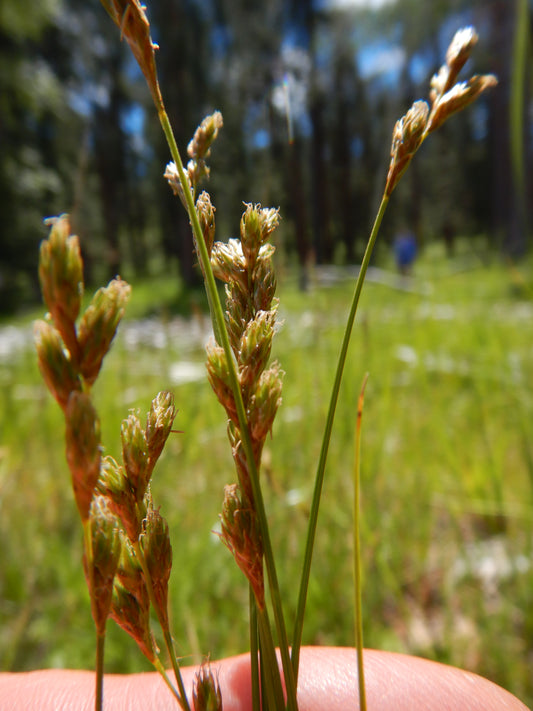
(100, 637)
(319, 480)
(254, 651)
(221, 334)
(269, 663)
(163, 672)
(99, 687)
(357, 553)
(182, 698)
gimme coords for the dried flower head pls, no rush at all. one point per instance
(130, 17)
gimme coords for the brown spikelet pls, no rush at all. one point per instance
(134, 26)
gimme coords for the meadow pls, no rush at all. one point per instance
(447, 472)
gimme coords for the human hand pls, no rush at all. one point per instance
(327, 680)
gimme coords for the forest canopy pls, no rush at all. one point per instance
(309, 92)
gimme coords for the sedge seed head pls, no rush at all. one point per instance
(55, 364)
(204, 136)
(114, 484)
(264, 281)
(155, 543)
(106, 547)
(240, 533)
(227, 260)
(99, 324)
(61, 279)
(206, 694)
(159, 424)
(132, 614)
(219, 378)
(407, 136)
(61, 269)
(459, 50)
(130, 17)
(458, 97)
(206, 216)
(135, 455)
(265, 402)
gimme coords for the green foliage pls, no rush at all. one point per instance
(447, 478)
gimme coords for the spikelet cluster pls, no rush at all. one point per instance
(446, 98)
(198, 150)
(146, 559)
(245, 266)
(206, 694)
(70, 352)
(114, 501)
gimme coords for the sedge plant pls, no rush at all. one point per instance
(127, 551)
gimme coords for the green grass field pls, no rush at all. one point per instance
(447, 475)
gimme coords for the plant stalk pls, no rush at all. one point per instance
(100, 636)
(319, 479)
(357, 552)
(99, 677)
(254, 654)
(272, 689)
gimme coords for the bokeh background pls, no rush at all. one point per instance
(309, 92)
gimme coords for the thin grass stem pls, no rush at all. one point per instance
(357, 552)
(272, 689)
(99, 676)
(319, 479)
(100, 638)
(163, 673)
(254, 654)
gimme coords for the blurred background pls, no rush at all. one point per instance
(309, 92)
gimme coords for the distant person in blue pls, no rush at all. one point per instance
(405, 249)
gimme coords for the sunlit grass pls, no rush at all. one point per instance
(447, 476)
